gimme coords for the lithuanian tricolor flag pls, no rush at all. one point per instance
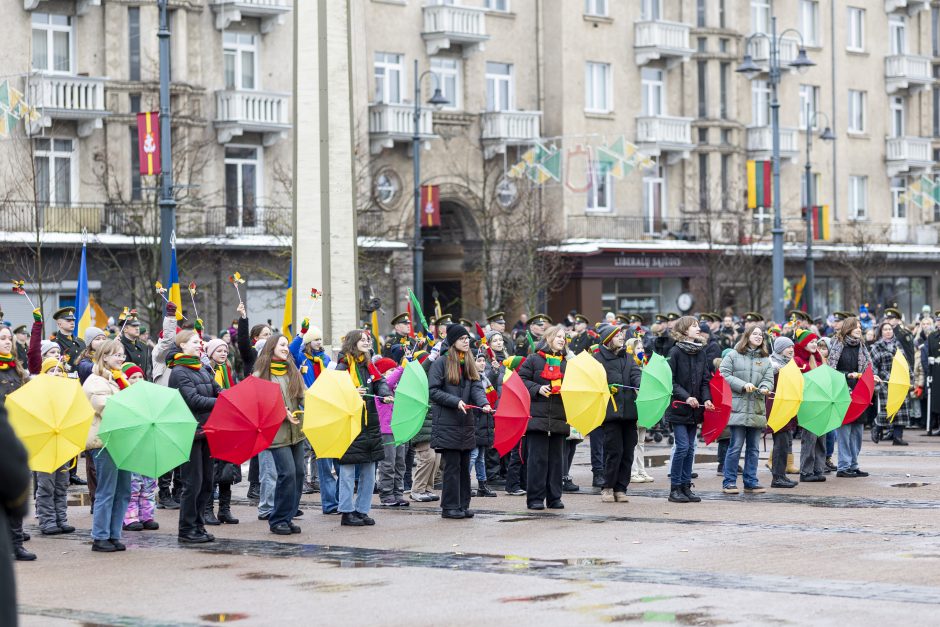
(759, 185)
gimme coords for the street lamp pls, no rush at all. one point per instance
(750, 69)
(437, 101)
(826, 135)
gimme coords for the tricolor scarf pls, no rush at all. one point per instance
(120, 379)
(278, 367)
(491, 396)
(353, 363)
(223, 375)
(7, 361)
(187, 361)
(552, 370)
(318, 365)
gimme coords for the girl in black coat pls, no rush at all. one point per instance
(620, 434)
(454, 383)
(12, 377)
(542, 373)
(485, 426)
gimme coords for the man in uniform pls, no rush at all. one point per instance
(21, 343)
(71, 347)
(497, 322)
(800, 319)
(581, 338)
(394, 347)
(664, 343)
(134, 348)
(905, 338)
(526, 342)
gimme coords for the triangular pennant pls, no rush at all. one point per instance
(552, 164)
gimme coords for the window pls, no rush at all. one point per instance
(447, 70)
(816, 179)
(856, 30)
(898, 202)
(595, 7)
(53, 160)
(809, 105)
(52, 43)
(724, 75)
(500, 91)
(809, 22)
(910, 293)
(702, 44)
(133, 42)
(896, 105)
(134, 102)
(654, 206)
(723, 45)
(652, 91)
(703, 89)
(389, 74)
(725, 136)
(935, 113)
(600, 196)
(760, 16)
(242, 183)
(858, 197)
(240, 54)
(498, 5)
(726, 199)
(857, 111)
(703, 181)
(897, 34)
(760, 103)
(650, 10)
(597, 89)
(136, 191)
(721, 13)
(700, 13)
(935, 30)
(703, 135)
(640, 295)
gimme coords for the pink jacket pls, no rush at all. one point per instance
(385, 411)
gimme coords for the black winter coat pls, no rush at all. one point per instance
(14, 501)
(621, 370)
(199, 391)
(248, 353)
(451, 429)
(663, 344)
(712, 352)
(424, 433)
(485, 426)
(690, 378)
(367, 447)
(547, 414)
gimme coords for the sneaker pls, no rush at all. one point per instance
(151, 525)
(860, 473)
(758, 489)
(308, 488)
(621, 497)
(829, 464)
(402, 502)
(849, 474)
(731, 489)
(607, 495)
(420, 498)
(432, 496)
(811, 478)
(516, 492)
(637, 479)
(167, 502)
(648, 478)
(51, 531)
(720, 472)
(389, 502)
(134, 526)
(568, 485)
(783, 483)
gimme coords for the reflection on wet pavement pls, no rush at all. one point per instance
(87, 618)
(223, 617)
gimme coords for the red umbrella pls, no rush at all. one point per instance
(861, 396)
(512, 414)
(716, 420)
(245, 420)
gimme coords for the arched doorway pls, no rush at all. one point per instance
(451, 253)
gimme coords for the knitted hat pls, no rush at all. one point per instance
(214, 345)
(313, 333)
(49, 363)
(46, 346)
(385, 364)
(608, 331)
(130, 368)
(91, 333)
(420, 356)
(491, 334)
(455, 332)
(804, 337)
(782, 343)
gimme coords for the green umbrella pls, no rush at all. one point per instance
(825, 400)
(147, 429)
(411, 403)
(655, 392)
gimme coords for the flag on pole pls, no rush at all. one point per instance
(98, 316)
(376, 339)
(174, 294)
(759, 184)
(148, 142)
(419, 325)
(288, 323)
(83, 311)
(798, 292)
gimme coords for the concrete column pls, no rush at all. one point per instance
(324, 195)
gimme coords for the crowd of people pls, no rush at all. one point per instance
(467, 365)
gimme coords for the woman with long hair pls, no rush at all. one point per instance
(882, 358)
(12, 376)
(848, 355)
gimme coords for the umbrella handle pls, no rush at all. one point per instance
(627, 387)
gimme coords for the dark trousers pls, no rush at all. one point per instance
(571, 447)
(620, 438)
(409, 466)
(455, 492)
(516, 470)
(173, 478)
(722, 452)
(197, 488)
(597, 452)
(289, 463)
(254, 474)
(92, 476)
(546, 463)
(495, 466)
(16, 530)
(778, 464)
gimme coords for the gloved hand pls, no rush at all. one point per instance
(305, 326)
(171, 309)
(37, 315)
(198, 326)
(918, 391)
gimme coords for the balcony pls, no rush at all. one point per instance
(658, 135)
(759, 49)
(907, 6)
(446, 25)
(907, 154)
(270, 12)
(391, 123)
(724, 229)
(67, 97)
(905, 72)
(509, 128)
(81, 6)
(240, 111)
(760, 143)
(657, 39)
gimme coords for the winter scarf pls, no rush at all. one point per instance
(689, 347)
(318, 365)
(119, 378)
(187, 361)
(278, 367)
(835, 352)
(552, 370)
(7, 361)
(352, 365)
(223, 375)
(778, 360)
(491, 396)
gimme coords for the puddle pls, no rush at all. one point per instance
(214, 566)
(682, 618)
(910, 484)
(223, 617)
(261, 576)
(537, 598)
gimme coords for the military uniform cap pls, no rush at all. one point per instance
(540, 319)
(496, 316)
(582, 318)
(753, 316)
(19, 329)
(66, 313)
(401, 318)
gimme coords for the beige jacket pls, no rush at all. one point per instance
(98, 389)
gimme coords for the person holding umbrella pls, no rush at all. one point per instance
(781, 458)
(12, 377)
(848, 355)
(139, 514)
(882, 357)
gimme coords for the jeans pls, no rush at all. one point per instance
(749, 439)
(112, 495)
(392, 469)
(831, 443)
(289, 464)
(329, 488)
(850, 443)
(478, 461)
(267, 475)
(347, 483)
(683, 455)
(455, 482)
(722, 453)
(597, 452)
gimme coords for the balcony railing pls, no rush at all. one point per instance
(907, 72)
(68, 97)
(270, 12)
(447, 24)
(664, 134)
(243, 110)
(508, 128)
(904, 154)
(658, 39)
(759, 49)
(390, 123)
(760, 142)
(641, 228)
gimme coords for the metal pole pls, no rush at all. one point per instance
(810, 270)
(777, 274)
(416, 163)
(166, 203)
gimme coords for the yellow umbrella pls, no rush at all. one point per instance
(52, 416)
(788, 394)
(899, 384)
(332, 414)
(584, 393)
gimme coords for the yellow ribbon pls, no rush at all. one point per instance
(613, 396)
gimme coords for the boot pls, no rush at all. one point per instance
(165, 501)
(225, 506)
(689, 494)
(568, 485)
(22, 555)
(791, 469)
(829, 465)
(254, 491)
(483, 490)
(209, 515)
(783, 482)
(677, 494)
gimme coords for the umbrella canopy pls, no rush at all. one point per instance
(861, 396)
(717, 419)
(332, 414)
(655, 392)
(584, 392)
(825, 400)
(899, 385)
(52, 416)
(147, 429)
(245, 420)
(411, 403)
(788, 394)
(512, 414)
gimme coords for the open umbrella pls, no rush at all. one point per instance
(512, 414)
(655, 392)
(52, 416)
(584, 392)
(788, 394)
(147, 429)
(899, 385)
(717, 419)
(860, 398)
(825, 400)
(245, 420)
(411, 403)
(332, 414)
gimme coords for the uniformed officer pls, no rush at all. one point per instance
(442, 323)
(752, 316)
(838, 317)
(581, 338)
(21, 343)
(497, 321)
(800, 319)
(135, 349)
(894, 317)
(664, 343)
(71, 347)
(395, 343)
(526, 342)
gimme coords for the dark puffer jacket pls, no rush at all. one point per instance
(367, 447)
(621, 370)
(690, 377)
(485, 426)
(451, 428)
(547, 414)
(424, 433)
(199, 391)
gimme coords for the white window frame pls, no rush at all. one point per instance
(855, 33)
(651, 10)
(392, 65)
(596, 8)
(449, 68)
(899, 208)
(897, 34)
(858, 197)
(809, 23)
(258, 162)
(653, 92)
(598, 87)
(236, 49)
(48, 28)
(898, 121)
(760, 103)
(858, 118)
(653, 179)
(493, 82)
(760, 16)
(502, 6)
(600, 197)
(809, 104)
(54, 155)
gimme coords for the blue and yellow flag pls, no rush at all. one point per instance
(174, 294)
(288, 323)
(83, 311)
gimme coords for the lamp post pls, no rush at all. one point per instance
(167, 202)
(750, 69)
(826, 135)
(437, 100)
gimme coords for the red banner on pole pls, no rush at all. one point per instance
(430, 205)
(148, 142)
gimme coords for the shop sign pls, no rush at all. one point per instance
(627, 261)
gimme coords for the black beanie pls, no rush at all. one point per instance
(455, 332)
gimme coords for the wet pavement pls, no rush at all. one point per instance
(858, 551)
